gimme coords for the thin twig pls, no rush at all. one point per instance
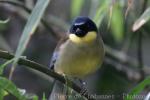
(140, 55)
(45, 70)
(21, 5)
(124, 59)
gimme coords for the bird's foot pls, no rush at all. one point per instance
(83, 87)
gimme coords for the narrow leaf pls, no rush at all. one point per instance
(35, 98)
(3, 24)
(31, 96)
(101, 12)
(31, 25)
(2, 94)
(129, 7)
(110, 12)
(43, 98)
(117, 23)
(142, 20)
(3, 66)
(4, 21)
(29, 29)
(138, 88)
(7, 85)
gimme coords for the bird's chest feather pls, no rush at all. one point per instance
(78, 60)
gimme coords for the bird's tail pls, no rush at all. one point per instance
(58, 92)
(63, 92)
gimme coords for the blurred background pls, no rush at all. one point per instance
(127, 57)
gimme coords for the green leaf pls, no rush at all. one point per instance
(35, 97)
(76, 6)
(142, 20)
(3, 66)
(138, 89)
(117, 23)
(7, 85)
(4, 21)
(101, 12)
(31, 96)
(31, 25)
(3, 93)
(30, 28)
(3, 24)
(43, 98)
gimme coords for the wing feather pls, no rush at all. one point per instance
(56, 52)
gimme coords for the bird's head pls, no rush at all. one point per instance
(82, 30)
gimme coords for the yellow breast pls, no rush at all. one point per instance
(89, 37)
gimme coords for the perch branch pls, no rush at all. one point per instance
(45, 70)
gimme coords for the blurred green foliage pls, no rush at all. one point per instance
(3, 24)
(144, 18)
(117, 24)
(139, 88)
(109, 16)
(7, 85)
(101, 12)
(76, 6)
(4, 65)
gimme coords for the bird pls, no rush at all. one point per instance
(80, 52)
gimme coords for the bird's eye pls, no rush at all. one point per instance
(79, 30)
(84, 28)
(73, 29)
